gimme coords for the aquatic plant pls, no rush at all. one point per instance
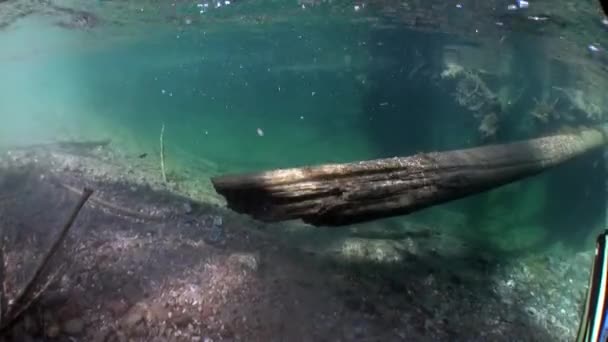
(488, 125)
(452, 70)
(162, 153)
(583, 103)
(472, 92)
(544, 110)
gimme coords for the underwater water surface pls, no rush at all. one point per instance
(293, 85)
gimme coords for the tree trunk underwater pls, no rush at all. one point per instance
(341, 194)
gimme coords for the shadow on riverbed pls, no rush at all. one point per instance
(144, 263)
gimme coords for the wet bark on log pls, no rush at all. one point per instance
(340, 194)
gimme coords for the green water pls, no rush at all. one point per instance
(315, 85)
(212, 91)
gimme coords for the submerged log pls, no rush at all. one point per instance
(340, 194)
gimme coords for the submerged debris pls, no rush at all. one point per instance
(473, 93)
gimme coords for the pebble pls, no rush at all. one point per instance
(30, 325)
(117, 307)
(73, 326)
(181, 320)
(187, 208)
(134, 316)
(53, 330)
(246, 260)
(27, 338)
(101, 335)
(157, 312)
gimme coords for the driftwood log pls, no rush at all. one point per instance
(340, 194)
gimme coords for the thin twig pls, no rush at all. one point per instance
(27, 296)
(19, 311)
(111, 206)
(162, 153)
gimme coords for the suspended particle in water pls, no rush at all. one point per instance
(357, 7)
(188, 21)
(313, 93)
(301, 117)
(163, 91)
(537, 18)
(260, 132)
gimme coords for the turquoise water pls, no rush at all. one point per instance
(296, 85)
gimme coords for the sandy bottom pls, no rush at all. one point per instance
(146, 262)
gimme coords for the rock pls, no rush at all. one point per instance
(53, 330)
(181, 320)
(139, 330)
(159, 339)
(156, 312)
(135, 315)
(101, 335)
(121, 337)
(26, 338)
(187, 208)
(131, 290)
(71, 308)
(73, 326)
(54, 299)
(117, 307)
(30, 325)
(247, 261)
